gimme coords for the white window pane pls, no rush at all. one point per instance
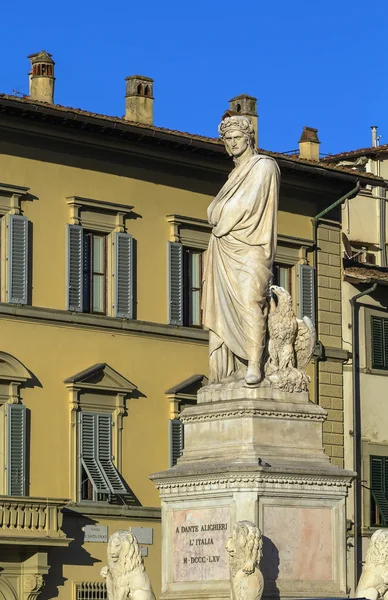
(98, 254)
(195, 269)
(98, 293)
(196, 307)
(284, 278)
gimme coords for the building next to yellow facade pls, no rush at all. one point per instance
(103, 226)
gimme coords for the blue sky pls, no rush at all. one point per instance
(321, 64)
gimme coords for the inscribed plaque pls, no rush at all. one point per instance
(199, 538)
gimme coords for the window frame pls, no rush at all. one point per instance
(88, 297)
(188, 288)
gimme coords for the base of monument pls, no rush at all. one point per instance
(259, 459)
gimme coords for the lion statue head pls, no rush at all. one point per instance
(123, 553)
(244, 547)
(373, 582)
(377, 553)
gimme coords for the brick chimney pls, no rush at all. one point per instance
(246, 106)
(41, 77)
(309, 144)
(139, 101)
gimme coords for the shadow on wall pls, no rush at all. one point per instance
(74, 555)
(269, 566)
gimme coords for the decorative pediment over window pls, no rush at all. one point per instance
(12, 375)
(100, 377)
(10, 198)
(184, 392)
(189, 231)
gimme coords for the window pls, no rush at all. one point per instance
(192, 282)
(181, 396)
(98, 477)
(185, 282)
(91, 590)
(88, 272)
(379, 340)
(282, 276)
(94, 272)
(379, 491)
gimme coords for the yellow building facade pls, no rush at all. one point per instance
(103, 224)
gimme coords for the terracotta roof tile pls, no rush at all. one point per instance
(355, 153)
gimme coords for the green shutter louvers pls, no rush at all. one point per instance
(16, 432)
(175, 283)
(176, 440)
(123, 275)
(74, 268)
(17, 263)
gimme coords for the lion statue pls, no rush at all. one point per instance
(245, 550)
(373, 582)
(125, 575)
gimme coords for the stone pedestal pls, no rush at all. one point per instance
(253, 454)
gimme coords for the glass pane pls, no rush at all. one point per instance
(284, 278)
(98, 293)
(195, 269)
(98, 254)
(195, 316)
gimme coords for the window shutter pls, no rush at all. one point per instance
(175, 283)
(176, 440)
(16, 449)
(378, 466)
(88, 453)
(123, 275)
(104, 453)
(306, 292)
(74, 268)
(377, 342)
(17, 259)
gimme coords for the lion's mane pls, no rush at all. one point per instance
(130, 556)
(377, 553)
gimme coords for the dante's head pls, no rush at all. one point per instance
(238, 135)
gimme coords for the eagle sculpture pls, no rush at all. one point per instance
(291, 343)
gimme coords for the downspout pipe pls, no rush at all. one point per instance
(357, 550)
(315, 223)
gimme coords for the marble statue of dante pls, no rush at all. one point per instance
(238, 262)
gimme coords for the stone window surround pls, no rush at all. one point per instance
(370, 311)
(103, 397)
(81, 209)
(11, 197)
(181, 394)
(369, 449)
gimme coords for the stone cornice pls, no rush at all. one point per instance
(252, 481)
(254, 412)
(85, 320)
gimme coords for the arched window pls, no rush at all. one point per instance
(140, 89)
(238, 107)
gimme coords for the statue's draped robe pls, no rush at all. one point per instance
(238, 263)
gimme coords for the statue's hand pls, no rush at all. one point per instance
(249, 567)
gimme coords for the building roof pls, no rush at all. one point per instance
(361, 273)
(86, 120)
(372, 151)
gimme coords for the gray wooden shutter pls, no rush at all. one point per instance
(104, 454)
(378, 479)
(176, 440)
(16, 459)
(175, 283)
(74, 268)
(88, 452)
(306, 292)
(17, 259)
(123, 275)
